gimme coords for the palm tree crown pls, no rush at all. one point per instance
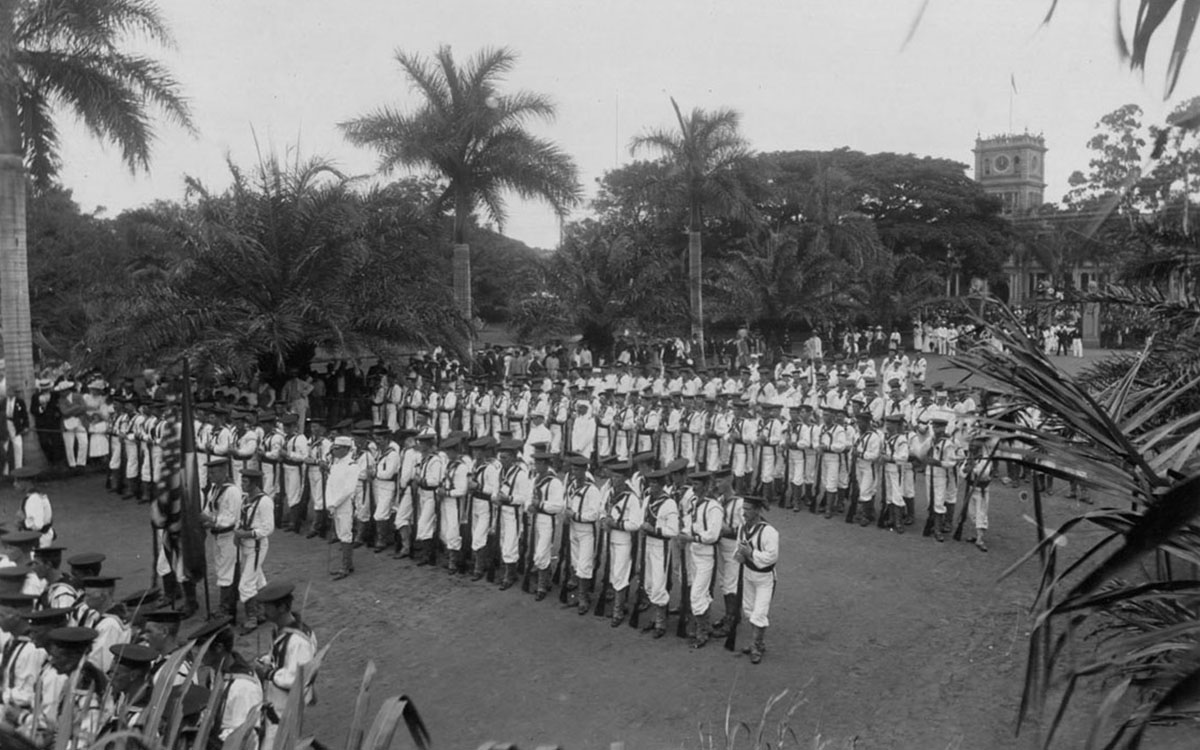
(708, 154)
(472, 136)
(69, 53)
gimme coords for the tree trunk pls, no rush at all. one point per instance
(695, 279)
(14, 258)
(462, 280)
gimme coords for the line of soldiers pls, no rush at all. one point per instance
(66, 638)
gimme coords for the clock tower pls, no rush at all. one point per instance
(1012, 167)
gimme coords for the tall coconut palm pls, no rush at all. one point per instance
(67, 53)
(709, 160)
(474, 138)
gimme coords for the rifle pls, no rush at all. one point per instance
(966, 505)
(530, 551)
(465, 506)
(635, 580)
(600, 590)
(731, 637)
(685, 593)
(564, 564)
(882, 484)
(154, 559)
(852, 490)
(928, 531)
(492, 549)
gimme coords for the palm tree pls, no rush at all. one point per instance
(777, 282)
(475, 139)
(289, 259)
(709, 160)
(70, 53)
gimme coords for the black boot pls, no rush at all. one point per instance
(910, 510)
(480, 568)
(949, 519)
(419, 552)
(318, 525)
(170, 589)
(383, 536)
(939, 522)
(402, 543)
(190, 604)
(359, 534)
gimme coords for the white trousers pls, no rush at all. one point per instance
(701, 561)
(620, 556)
(254, 554)
(224, 557)
(583, 549)
(510, 534)
(448, 532)
(543, 543)
(425, 515)
(293, 485)
(655, 576)
(75, 440)
(757, 589)
(385, 498)
(727, 566)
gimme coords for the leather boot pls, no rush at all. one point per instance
(618, 612)
(651, 618)
(812, 501)
(830, 504)
(510, 576)
(170, 589)
(939, 522)
(478, 571)
(339, 572)
(862, 514)
(348, 556)
(910, 510)
(228, 600)
(383, 536)
(759, 646)
(358, 534)
(897, 520)
(585, 595)
(722, 627)
(660, 621)
(418, 552)
(297, 514)
(452, 561)
(703, 630)
(251, 623)
(543, 584)
(948, 519)
(403, 543)
(190, 604)
(979, 540)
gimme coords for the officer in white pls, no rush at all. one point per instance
(340, 486)
(758, 553)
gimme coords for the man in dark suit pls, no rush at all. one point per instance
(17, 424)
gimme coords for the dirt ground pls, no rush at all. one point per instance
(890, 641)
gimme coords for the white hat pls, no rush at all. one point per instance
(97, 385)
(343, 441)
(64, 385)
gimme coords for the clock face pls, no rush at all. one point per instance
(1002, 163)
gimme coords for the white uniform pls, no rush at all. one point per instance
(585, 505)
(430, 473)
(340, 487)
(703, 529)
(548, 496)
(663, 513)
(295, 450)
(37, 515)
(758, 572)
(293, 648)
(517, 486)
(224, 505)
(454, 498)
(258, 517)
(626, 516)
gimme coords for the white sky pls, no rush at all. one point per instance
(818, 74)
